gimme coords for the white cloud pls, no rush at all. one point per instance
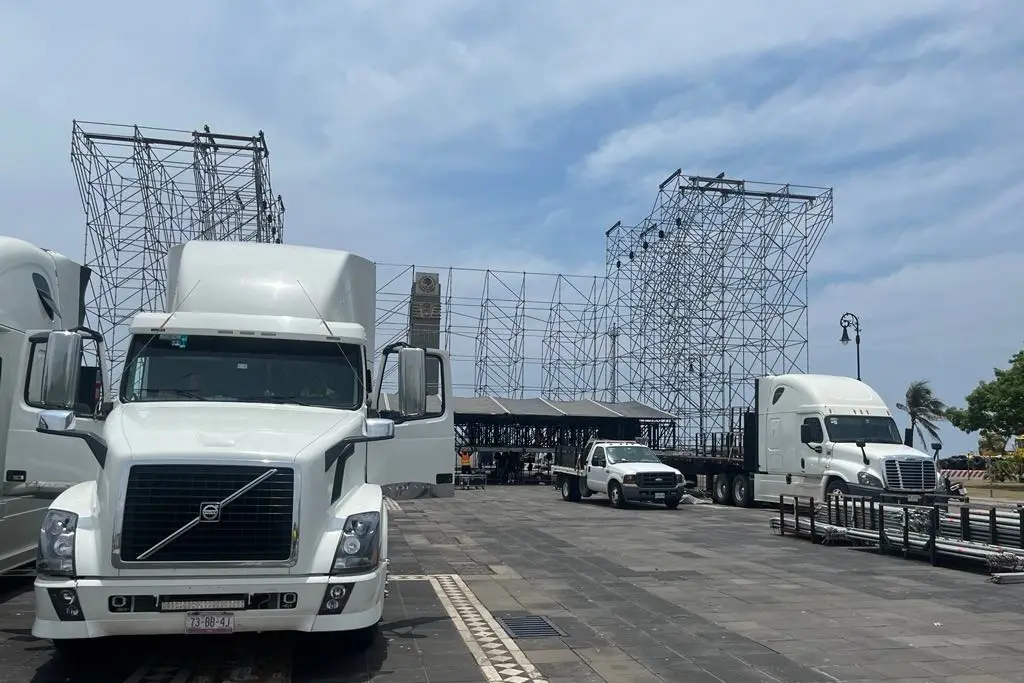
(510, 135)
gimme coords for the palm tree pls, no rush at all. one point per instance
(924, 410)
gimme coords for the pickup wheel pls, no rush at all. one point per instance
(721, 492)
(615, 495)
(672, 503)
(570, 489)
(742, 493)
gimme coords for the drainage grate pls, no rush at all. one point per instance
(531, 626)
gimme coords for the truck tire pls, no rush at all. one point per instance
(837, 486)
(671, 502)
(721, 491)
(615, 495)
(77, 651)
(742, 490)
(570, 489)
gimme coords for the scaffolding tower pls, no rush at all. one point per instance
(509, 334)
(145, 190)
(709, 291)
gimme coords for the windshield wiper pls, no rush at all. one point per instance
(187, 393)
(274, 399)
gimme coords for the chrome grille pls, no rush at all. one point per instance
(161, 499)
(656, 480)
(910, 475)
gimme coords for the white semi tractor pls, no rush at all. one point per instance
(812, 436)
(241, 465)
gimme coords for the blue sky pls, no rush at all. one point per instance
(511, 134)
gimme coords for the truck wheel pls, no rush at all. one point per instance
(615, 495)
(364, 638)
(721, 492)
(672, 503)
(74, 650)
(570, 489)
(742, 493)
(837, 486)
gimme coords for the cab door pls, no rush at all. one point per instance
(38, 464)
(420, 461)
(812, 448)
(597, 470)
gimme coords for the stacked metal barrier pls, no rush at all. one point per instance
(988, 534)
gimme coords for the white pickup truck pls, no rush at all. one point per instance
(628, 472)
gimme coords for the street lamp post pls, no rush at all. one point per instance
(847, 321)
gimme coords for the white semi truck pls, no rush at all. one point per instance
(243, 463)
(813, 435)
(40, 291)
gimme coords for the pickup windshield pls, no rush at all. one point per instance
(867, 428)
(168, 367)
(621, 454)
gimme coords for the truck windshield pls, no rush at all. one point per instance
(867, 428)
(204, 368)
(620, 454)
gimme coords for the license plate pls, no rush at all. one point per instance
(914, 499)
(209, 622)
(659, 496)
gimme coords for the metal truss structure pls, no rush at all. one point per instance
(709, 291)
(508, 334)
(144, 190)
(703, 295)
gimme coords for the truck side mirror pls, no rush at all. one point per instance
(61, 366)
(412, 382)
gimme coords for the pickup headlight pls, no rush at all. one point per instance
(359, 548)
(55, 554)
(865, 478)
(679, 478)
(629, 479)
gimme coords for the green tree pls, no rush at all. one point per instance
(924, 409)
(995, 407)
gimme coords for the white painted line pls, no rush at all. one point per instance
(392, 504)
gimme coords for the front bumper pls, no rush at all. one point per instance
(364, 606)
(634, 493)
(902, 498)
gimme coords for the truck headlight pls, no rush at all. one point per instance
(680, 478)
(359, 547)
(629, 479)
(865, 478)
(55, 554)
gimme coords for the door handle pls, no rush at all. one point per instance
(802, 465)
(606, 471)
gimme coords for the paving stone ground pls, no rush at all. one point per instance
(702, 594)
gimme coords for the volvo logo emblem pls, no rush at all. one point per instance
(209, 512)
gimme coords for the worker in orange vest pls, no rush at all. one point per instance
(466, 461)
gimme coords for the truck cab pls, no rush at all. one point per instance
(241, 464)
(40, 291)
(626, 471)
(823, 434)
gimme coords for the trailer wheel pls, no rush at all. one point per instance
(570, 489)
(742, 490)
(615, 495)
(721, 492)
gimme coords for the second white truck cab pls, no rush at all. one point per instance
(40, 291)
(625, 471)
(813, 436)
(241, 464)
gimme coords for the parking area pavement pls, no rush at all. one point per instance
(702, 594)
